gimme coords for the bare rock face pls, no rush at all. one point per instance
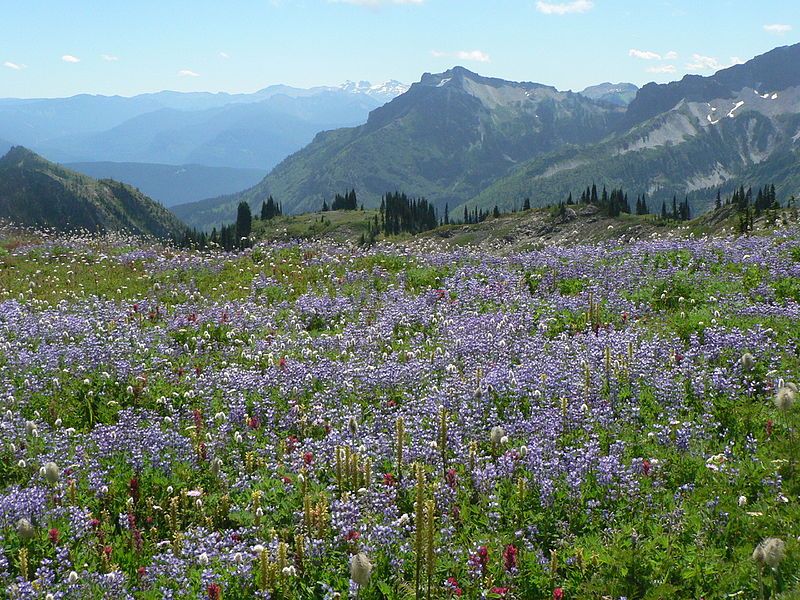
(588, 210)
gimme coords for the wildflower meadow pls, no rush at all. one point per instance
(316, 420)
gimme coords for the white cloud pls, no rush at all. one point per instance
(710, 63)
(650, 55)
(701, 63)
(109, 57)
(475, 55)
(70, 59)
(662, 69)
(644, 54)
(187, 73)
(564, 8)
(224, 55)
(471, 55)
(778, 28)
(14, 66)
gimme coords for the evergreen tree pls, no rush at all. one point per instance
(244, 223)
(641, 206)
(446, 214)
(527, 204)
(405, 215)
(346, 202)
(685, 212)
(270, 209)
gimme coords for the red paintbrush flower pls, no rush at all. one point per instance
(214, 591)
(451, 477)
(133, 488)
(452, 583)
(352, 535)
(510, 557)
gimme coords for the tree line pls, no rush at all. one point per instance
(748, 209)
(236, 236)
(348, 201)
(400, 213)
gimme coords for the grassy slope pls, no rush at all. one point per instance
(510, 232)
(34, 191)
(339, 225)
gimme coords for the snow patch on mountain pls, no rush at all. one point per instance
(736, 106)
(388, 90)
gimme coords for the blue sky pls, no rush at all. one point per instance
(62, 47)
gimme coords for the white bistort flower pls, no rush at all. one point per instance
(360, 569)
(51, 472)
(784, 398)
(496, 435)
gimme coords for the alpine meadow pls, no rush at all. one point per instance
(275, 324)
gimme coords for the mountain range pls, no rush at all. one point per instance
(36, 192)
(192, 130)
(740, 126)
(461, 139)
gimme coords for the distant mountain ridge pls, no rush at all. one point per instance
(619, 94)
(383, 92)
(36, 192)
(255, 130)
(255, 135)
(232, 131)
(772, 71)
